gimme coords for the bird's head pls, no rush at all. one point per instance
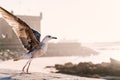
(48, 37)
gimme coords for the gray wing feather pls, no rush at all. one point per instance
(37, 34)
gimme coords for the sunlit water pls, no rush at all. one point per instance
(103, 56)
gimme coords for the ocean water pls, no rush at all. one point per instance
(102, 56)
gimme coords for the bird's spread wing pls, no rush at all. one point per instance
(37, 34)
(22, 30)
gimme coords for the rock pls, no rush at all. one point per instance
(115, 64)
(8, 54)
(88, 69)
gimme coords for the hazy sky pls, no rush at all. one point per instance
(84, 20)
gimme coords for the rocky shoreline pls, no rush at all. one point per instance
(88, 69)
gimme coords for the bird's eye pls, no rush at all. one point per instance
(49, 36)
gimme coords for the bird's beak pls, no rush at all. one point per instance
(54, 37)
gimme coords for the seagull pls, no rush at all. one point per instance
(28, 37)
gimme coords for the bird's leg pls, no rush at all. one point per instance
(25, 65)
(28, 65)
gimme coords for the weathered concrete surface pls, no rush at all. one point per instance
(10, 70)
(16, 75)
